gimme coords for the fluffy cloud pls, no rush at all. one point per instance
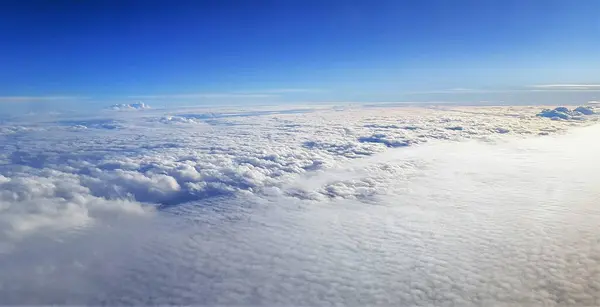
(585, 110)
(278, 206)
(130, 106)
(563, 113)
(229, 153)
(51, 199)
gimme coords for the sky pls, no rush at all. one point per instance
(169, 52)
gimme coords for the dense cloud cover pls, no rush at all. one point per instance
(218, 193)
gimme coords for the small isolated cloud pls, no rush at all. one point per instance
(174, 119)
(130, 106)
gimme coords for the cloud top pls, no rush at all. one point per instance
(299, 207)
(131, 106)
(563, 113)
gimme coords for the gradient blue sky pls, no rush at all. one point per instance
(294, 51)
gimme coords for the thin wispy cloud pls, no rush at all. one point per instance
(524, 89)
(267, 93)
(288, 90)
(457, 91)
(462, 89)
(202, 96)
(566, 87)
(17, 99)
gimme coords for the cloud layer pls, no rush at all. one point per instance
(299, 206)
(167, 160)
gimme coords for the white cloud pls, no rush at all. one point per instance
(298, 207)
(204, 95)
(267, 93)
(287, 90)
(130, 106)
(519, 90)
(568, 87)
(564, 113)
(22, 99)
(51, 199)
(459, 91)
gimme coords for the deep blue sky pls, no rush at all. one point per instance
(325, 50)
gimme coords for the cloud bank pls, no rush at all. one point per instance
(203, 155)
(394, 205)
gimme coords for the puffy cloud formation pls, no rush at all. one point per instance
(140, 160)
(563, 113)
(386, 205)
(585, 110)
(51, 199)
(131, 106)
(109, 124)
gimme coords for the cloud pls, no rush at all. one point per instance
(563, 113)
(94, 123)
(287, 90)
(24, 99)
(298, 207)
(174, 119)
(524, 89)
(49, 199)
(268, 93)
(459, 91)
(204, 96)
(130, 106)
(231, 153)
(567, 87)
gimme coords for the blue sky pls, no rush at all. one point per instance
(95, 52)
